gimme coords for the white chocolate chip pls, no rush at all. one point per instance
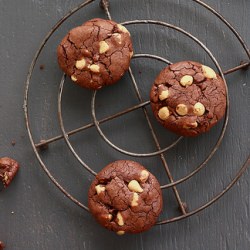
(164, 113)
(80, 64)
(118, 37)
(103, 47)
(95, 68)
(144, 175)
(164, 95)
(135, 186)
(134, 202)
(120, 220)
(73, 78)
(208, 72)
(122, 28)
(182, 109)
(186, 80)
(199, 109)
(99, 189)
(120, 232)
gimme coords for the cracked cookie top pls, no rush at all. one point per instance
(125, 197)
(96, 54)
(188, 98)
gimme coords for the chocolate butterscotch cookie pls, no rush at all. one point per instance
(96, 54)
(188, 98)
(125, 197)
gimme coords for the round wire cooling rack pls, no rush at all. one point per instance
(142, 105)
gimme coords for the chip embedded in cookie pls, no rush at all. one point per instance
(96, 54)
(125, 197)
(188, 98)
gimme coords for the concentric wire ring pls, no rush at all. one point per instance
(240, 172)
(112, 144)
(197, 169)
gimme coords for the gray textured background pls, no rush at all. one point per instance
(34, 214)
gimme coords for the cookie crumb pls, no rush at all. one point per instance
(8, 170)
(2, 246)
(41, 67)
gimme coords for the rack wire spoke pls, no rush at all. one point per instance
(156, 141)
(139, 97)
(214, 199)
(44, 142)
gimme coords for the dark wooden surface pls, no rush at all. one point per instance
(34, 214)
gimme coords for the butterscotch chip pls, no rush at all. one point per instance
(135, 199)
(135, 186)
(103, 47)
(73, 78)
(120, 220)
(99, 189)
(100, 42)
(186, 80)
(208, 72)
(120, 232)
(197, 101)
(122, 28)
(199, 109)
(132, 211)
(118, 38)
(110, 217)
(181, 109)
(191, 125)
(164, 113)
(164, 95)
(80, 64)
(144, 175)
(94, 68)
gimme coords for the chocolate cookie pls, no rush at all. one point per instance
(125, 197)
(96, 54)
(188, 98)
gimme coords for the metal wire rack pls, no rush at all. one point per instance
(142, 105)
